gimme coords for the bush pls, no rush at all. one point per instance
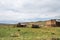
(15, 34)
(35, 26)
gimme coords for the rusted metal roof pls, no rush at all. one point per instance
(58, 20)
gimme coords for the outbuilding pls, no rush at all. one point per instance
(53, 22)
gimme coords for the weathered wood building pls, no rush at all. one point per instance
(53, 22)
(21, 25)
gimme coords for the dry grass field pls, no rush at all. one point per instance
(10, 33)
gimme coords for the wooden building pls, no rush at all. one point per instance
(21, 25)
(53, 22)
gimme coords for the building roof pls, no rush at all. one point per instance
(58, 20)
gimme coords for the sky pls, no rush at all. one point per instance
(12, 11)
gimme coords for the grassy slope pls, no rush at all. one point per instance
(29, 33)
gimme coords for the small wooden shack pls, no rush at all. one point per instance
(53, 22)
(21, 25)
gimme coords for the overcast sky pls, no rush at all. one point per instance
(28, 10)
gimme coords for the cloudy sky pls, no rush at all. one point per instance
(28, 10)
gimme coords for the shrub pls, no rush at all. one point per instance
(35, 26)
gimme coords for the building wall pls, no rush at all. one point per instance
(51, 23)
(58, 24)
(48, 23)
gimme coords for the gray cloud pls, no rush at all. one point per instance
(28, 9)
